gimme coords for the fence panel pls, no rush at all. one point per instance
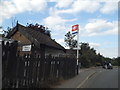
(28, 71)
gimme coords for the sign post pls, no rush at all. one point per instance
(78, 51)
(75, 29)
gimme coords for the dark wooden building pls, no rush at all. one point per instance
(72, 52)
(32, 41)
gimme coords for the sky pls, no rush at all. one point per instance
(97, 20)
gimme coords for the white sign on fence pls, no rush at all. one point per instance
(26, 48)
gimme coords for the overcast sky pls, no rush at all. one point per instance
(97, 19)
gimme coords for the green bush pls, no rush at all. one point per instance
(98, 64)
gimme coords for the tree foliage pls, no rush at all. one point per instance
(40, 28)
(116, 61)
(89, 57)
(70, 42)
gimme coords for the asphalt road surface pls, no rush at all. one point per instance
(103, 78)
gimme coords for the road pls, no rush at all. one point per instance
(103, 78)
(95, 77)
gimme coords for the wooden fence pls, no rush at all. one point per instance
(33, 72)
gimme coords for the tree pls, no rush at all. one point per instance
(85, 57)
(100, 58)
(2, 32)
(116, 61)
(88, 56)
(70, 42)
(40, 28)
(6, 32)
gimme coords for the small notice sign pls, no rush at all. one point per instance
(26, 48)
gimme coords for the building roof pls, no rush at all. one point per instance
(35, 37)
(72, 51)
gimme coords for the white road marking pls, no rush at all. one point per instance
(79, 86)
